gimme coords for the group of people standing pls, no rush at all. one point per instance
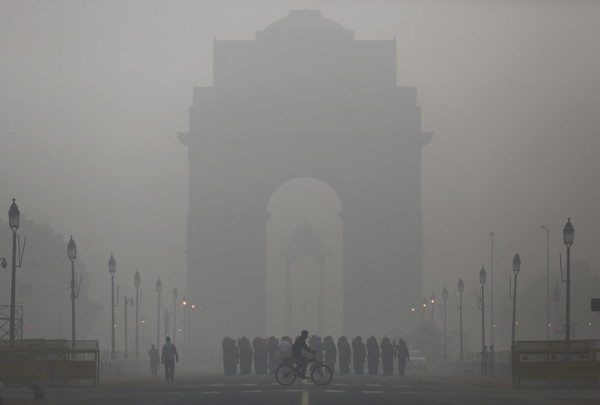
(267, 354)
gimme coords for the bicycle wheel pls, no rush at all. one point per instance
(285, 374)
(321, 374)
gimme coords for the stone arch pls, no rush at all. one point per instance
(304, 248)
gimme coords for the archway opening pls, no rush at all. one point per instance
(304, 259)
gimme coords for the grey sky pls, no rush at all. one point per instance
(92, 94)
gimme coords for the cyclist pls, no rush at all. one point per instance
(297, 347)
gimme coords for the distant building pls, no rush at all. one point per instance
(304, 100)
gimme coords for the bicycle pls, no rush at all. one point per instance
(287, 372)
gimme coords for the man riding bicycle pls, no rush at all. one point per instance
(301, 359)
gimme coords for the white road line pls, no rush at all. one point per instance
(304, 400)
(251, 391)
(334, 391)
(275, 384)
(211, 392)
(403, 386)
(247, 385)
(216, 385)
(294, 390)
(341, 385)
(373, 385)
(372, 392)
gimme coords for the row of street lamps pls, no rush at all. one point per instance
(568, 237)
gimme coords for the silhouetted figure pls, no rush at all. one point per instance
(261, 356)
(298, 349)
(484, 360)
(284, 351)
(272, 348)
(230, 356)
(345, 353)
(168, 357)
(387, 356)
(319, 349)
(491, 360)
(330, 352)
(401, 353)
(359, 355)
(373, 355)
(154, 359)
(245, 355)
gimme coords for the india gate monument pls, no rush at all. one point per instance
(304, 187)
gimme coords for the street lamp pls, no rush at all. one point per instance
(72, 254)
(128, 301)
(136, 282)
(112, 269)
(461, 288)
(445, 298)
(492, 293)
(158, 291)
(482, 277)
(547, 281)
(516, 268)
(556, 299)
(174, 312)
(184, 305)
(568, 236)
(13, 222)
(432, 299)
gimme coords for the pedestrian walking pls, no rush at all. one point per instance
(345, 354)
(168, 357)
(230, 356)
(387, 356)
(373, 355)
(330, 353)
(359, 355)
(154, 358)
(272, 347)
(401, 353)
(246, 355)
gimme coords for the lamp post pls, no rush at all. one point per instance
(137, 282)
(128, 301)
(482, 277)
(516, 268)
(432, 299)
(414, 327)
(13, 222)
(174, 311)
(424, 305)
(461, 288)
(72, 254)
(445, 298)
(556, 299)
(547, 281)
(568, 236)
(112, 269)
(492, 293)
(158, 291)
(184, 305)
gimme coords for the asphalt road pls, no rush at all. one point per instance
(188, 389)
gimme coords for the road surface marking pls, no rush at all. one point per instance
(372, 392)
(403, 386)
(248, 384)
(304, 398)
(341, 385)
(211, 392)
(294, 390)
(251, 391)
(216, 385)
(373, 385)
(335, 391)
(275, 384)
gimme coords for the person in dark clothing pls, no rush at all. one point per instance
(154, 359)
(387, 356)
(330, 352)
(230, 356)
(401, 353)
(297, 352)
(373, 355)
(261, 360)
(345, 353)
(245, 355)
(168, 357)
(272, 348)
(360, 353)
